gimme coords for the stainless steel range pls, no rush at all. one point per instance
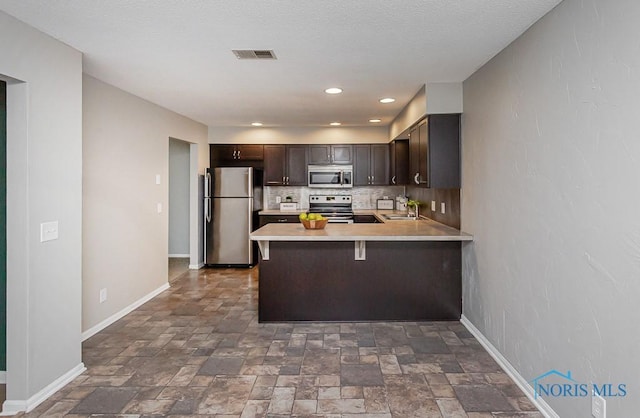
(335, 207)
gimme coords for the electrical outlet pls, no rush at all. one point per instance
(103, 295)
(598, 406)
(278, 199)
(433, 206)
(442, 208)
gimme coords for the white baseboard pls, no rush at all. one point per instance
(113, 318)
(12, 407)
(3, 378)
(196, 266)
(179, 255)
(522, 383)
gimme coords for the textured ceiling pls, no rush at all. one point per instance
(177, 53)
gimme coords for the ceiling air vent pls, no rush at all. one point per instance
(254, 54)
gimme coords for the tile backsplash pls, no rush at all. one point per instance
(362, 197)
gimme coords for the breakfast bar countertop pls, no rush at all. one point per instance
(388, 230)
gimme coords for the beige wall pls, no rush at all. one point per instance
(44, 183)
(297, 135)
(550, 192)
(125, 240)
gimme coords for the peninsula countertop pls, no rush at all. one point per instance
(388, 230)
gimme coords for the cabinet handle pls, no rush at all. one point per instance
(238, 154)
(235, 154)
(373, 178)
(416, 178)
(283, 180)
(287, 179)
(393, 180)
(282, 220)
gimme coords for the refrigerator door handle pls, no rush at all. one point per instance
(207, 185)
(207, 209)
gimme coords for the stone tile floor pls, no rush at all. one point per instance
(198, 350)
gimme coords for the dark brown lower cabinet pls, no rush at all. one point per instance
(398, 280)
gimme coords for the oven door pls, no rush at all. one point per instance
(327, 176)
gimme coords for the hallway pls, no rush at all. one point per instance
(198, 350)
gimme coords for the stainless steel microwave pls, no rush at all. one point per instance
(330, 176)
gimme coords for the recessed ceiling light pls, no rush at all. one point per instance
(335, 124)
(387, 100)
(375, 120)
(333, 90)
(256, 123)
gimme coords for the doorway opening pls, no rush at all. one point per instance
(184, 222)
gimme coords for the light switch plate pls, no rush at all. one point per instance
(433, 206)
(158, 178)
(159, 207)
(48, 231)
(442, 208)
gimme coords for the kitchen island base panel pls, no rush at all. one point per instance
(399, 280)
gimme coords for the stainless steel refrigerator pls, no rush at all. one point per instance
(232, 199)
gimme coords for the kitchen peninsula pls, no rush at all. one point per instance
(392, 270)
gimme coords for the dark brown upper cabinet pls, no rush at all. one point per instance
(371, 165)
(434, 152)
(399, 162)
(330, 154)
(285, 165)
(237, 152)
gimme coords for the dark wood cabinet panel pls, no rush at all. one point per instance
(275, 163)
(341, 154)
(330, 154)
(250, 152)
(232, 153)
(399, 161)
(371, 164)
(319, 154)
(379, 164)
(444, 151)
(434, 152)
(285, 165)
(296, 167)
(361, 165)
(269, 219)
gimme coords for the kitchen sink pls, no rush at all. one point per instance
(399, 217)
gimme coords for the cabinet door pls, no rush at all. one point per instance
(399, 161)
(274, 165)
(444, 149)
(250, 152)
(414, 156)
(223, 152)
(424, 155)
(297, 162)
(319, 154)
(379, 164)
(361, 165)
(341, 154)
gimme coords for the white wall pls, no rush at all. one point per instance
(178, 197)
(125, 240)
(297, 135)
(44, 183)
(550, 192)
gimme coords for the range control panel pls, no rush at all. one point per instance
(330, 199)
